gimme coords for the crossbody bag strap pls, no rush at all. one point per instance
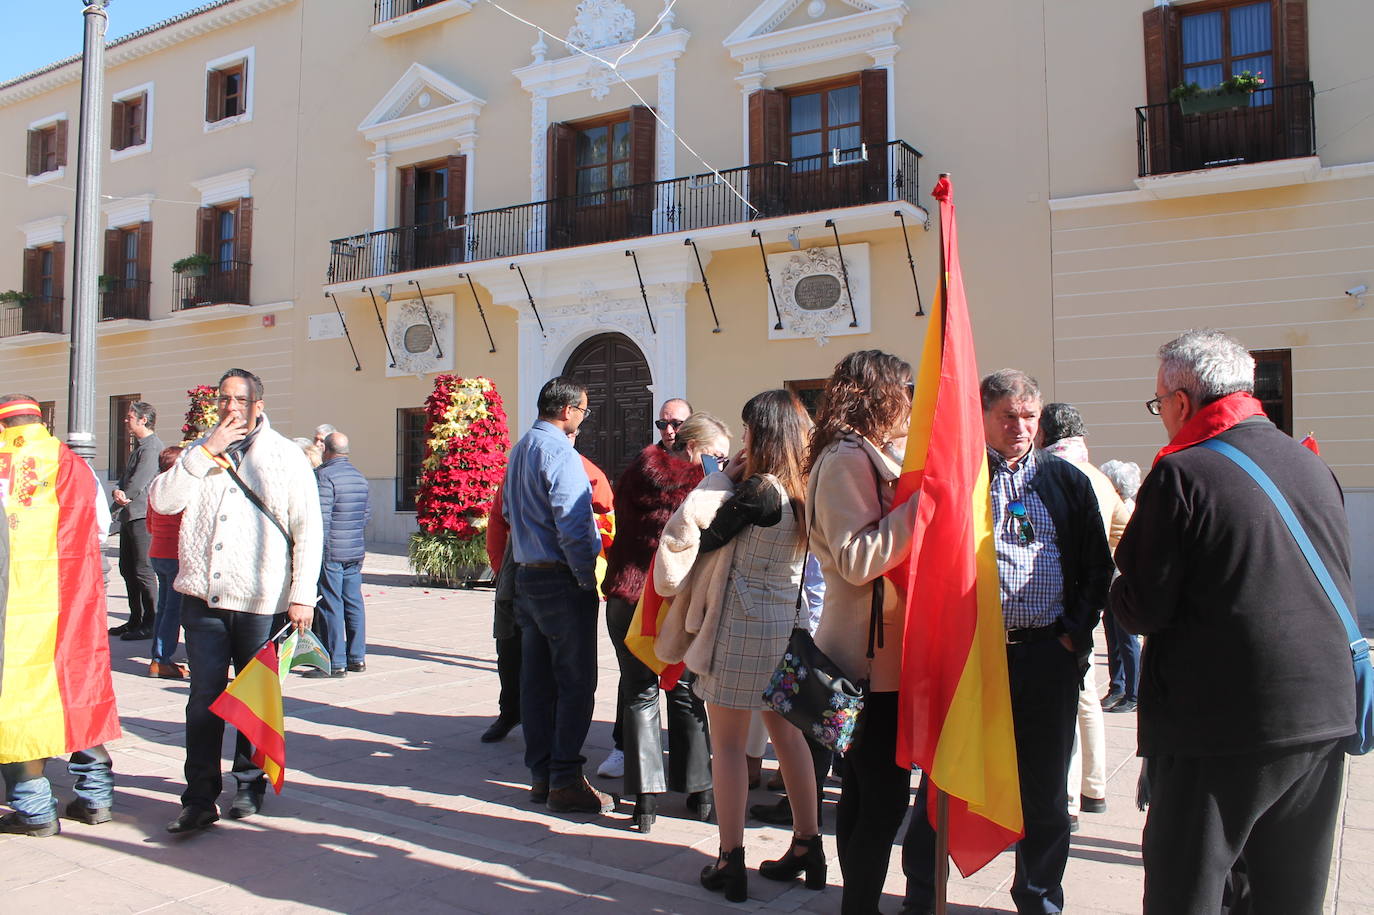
(256, 500)
(1243, 460)
(875, 614)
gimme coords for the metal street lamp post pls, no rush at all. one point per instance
(85, 270)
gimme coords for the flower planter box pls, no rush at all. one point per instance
(1208, 102)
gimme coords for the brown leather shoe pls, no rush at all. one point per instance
(580, 797)
(166, 671)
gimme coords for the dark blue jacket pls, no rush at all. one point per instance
(345, 508)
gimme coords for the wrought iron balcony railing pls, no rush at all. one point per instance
(386, 10)
(125, 298)
(40, 314)
(842, 178)
(222, 281)
(1277, 123)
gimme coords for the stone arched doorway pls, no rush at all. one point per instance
(622, 408)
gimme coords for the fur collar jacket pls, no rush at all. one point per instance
(648, 493)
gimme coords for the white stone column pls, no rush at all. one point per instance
(381, 188)
(667, 111)
(539, 154)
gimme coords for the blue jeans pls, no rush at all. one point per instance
(341, 610)
(214, 640)
(1123, 657)
(167, 628)
(558, 671)
(30, 793)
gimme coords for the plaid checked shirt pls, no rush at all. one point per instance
(1031, 576)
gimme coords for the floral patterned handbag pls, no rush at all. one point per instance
(810, 691)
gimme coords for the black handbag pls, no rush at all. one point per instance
(810, 691)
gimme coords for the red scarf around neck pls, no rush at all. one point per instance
(1212, 420)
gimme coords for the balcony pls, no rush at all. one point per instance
(1277, 124)
(843, 178)
(396, 17)
(223, 282)
(125, 299)
(38, 315)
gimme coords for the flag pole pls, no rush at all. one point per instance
(941, 798)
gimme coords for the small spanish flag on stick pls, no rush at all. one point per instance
(652, 608)
(252, 703)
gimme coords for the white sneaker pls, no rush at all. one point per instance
(613, 766)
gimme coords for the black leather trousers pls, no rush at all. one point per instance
(689, 748)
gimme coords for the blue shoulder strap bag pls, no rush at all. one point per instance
(1362, 741)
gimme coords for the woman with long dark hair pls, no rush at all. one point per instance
(762, 523)
(856, 457)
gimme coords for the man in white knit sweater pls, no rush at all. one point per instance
(243, 573)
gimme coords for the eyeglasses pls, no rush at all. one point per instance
(1154, 404)
(586, 411)
(241, 401)
(661, 424)
(1025, 531)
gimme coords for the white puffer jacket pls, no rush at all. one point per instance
(232, 556)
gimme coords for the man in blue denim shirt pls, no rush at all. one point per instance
(554, 542)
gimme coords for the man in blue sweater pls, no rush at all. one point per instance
(547, 501)
(345, 509)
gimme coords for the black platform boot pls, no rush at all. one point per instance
(806, 854)
(728, 875)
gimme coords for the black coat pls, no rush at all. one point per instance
(1243, 651)
(647, 494)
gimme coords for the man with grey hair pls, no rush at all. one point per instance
(1054, 567)
(345, 510)
(130, 509)
(1247, 692)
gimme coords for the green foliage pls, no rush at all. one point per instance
(14, 296)
(1244, 81)
(190, 261)
(444, 556)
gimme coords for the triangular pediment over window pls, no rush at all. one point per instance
(420, 108)
(780, 34)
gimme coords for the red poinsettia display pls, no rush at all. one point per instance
(203, 414)
(467, 439)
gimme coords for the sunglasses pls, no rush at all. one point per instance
(1025, 531)
(662, 424)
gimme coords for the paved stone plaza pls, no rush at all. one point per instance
(392, 804)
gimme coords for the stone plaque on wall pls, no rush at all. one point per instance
(812, 297)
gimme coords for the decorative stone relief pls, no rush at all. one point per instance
(601, 24)
(812, 299)
(415, 347)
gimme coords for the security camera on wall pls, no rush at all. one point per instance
(1356, 291)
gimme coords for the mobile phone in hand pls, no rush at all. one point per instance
(710, 463)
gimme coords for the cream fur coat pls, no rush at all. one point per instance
(696, 583)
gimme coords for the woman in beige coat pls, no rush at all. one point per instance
(855, 460)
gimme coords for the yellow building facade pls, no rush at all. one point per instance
(530, 188)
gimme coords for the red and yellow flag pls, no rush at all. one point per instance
(252, 703)
(955, 705)
(56, 696)
(643, 631)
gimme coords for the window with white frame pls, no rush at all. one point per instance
(229, 90)
(131, 122)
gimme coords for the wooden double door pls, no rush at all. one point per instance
(622, 408)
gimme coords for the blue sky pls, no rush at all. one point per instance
(38, 32)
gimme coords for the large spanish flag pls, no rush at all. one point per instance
(955, 705)
(644, 626)
(56, 696)
(252, 703)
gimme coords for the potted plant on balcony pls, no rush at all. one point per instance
(14, 297)
(192, 265)
(1233, 92)
(106, 283)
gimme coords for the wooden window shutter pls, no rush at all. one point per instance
(243, 243)
(35, 153)
(768, 127)
(145, 251)
(1162, 70)
(214, 95)
(562, 161)
(457, 188)
(873, 126)
(60, 142)
(205, 231)
(643, 145)
(119, 125)
(1293, 28)
(405, 197)
(31, 270)
(113, 253)
(59, 251)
